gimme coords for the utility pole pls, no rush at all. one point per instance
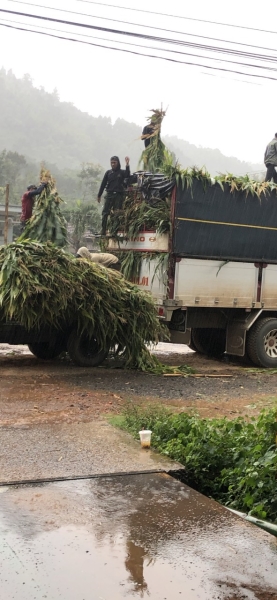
(6, 213)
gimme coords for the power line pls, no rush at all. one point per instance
(142, 25)
(143, 36)
(144, 46)
(151, 12)
(137, 53)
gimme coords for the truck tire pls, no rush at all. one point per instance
(85, 351)
(261, 343)
(209, 341)
(192, 345)
(47, 350)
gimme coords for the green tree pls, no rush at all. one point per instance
(90, 176)
(81, 218)
(12, 170)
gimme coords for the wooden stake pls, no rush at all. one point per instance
(6, 214)
(173, 375)
(194, 375)
(206, 375)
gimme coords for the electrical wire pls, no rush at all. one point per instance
(142, 25)
(144, 46)
(144, 36)
(151, 12)
(137, 53)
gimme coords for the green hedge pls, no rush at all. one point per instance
(234, 462)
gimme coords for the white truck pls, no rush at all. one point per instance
(218, 292)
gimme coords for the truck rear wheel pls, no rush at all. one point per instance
(47, 350)
(85, 351)
(261, 343)
(209, 341)
(192, 345)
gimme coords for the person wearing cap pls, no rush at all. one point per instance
(110, 261)
(27, 202)
(112, 182)
(270, 160)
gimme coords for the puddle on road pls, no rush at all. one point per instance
(129, 537)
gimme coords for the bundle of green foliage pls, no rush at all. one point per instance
(234, 462)
(185, 177)
(138, 215)
(41, 284)
(156, 155)
(47, 222)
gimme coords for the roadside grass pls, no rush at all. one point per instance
(232, 461)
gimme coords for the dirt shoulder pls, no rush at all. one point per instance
(33, 391)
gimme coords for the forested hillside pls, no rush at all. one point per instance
(214, 161)
(35, 124)
(39, 126)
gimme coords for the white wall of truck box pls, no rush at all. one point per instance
(202, 282)
(153, 280)
(269, 287)
(213, 283)
(208, 283)
(145, 241)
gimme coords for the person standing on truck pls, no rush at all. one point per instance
(270, 160)
(113, 183)
(110, 261)
(147, 131)
(27, 202)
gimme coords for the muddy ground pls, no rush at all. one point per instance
(35, 391)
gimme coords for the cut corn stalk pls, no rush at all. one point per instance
(47, 222)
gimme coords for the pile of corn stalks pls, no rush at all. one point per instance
(47, 222)
(41, 284)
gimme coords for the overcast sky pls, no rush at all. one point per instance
(211, 108)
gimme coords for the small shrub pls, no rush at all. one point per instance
(234, 462)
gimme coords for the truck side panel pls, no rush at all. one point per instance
(220, 224)
(214, 283)
(153, 279)
(269, 287)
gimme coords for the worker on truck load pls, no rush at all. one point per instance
(270, 159)
(147, 132)
(27, 202)
(102, 258)
(113, 183)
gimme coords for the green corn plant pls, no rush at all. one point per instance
(47, 222)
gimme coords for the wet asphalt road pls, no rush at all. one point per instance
(129, 537)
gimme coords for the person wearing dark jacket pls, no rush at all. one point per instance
(146, 132)
(27, 202)
(113, 184)
(270, 159)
